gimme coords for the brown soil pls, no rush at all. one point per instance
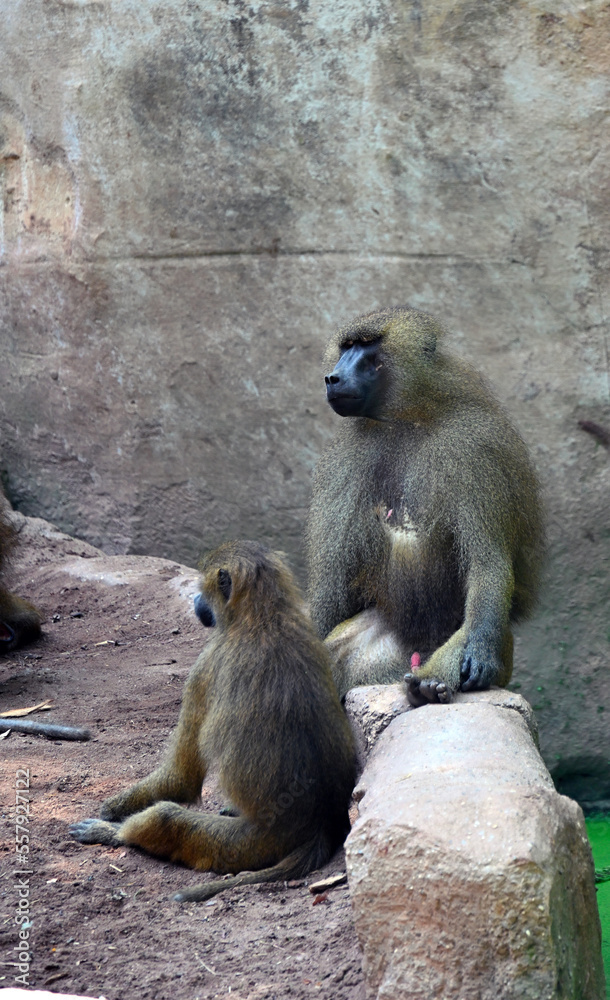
(119, 640)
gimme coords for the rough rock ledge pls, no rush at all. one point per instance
(470, 876)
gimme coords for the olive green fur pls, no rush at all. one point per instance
(259, 706)
(21, 617)
(429, 516)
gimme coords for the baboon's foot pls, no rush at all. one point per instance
(96, 831)
(425, 691)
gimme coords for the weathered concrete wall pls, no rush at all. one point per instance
(195, 193)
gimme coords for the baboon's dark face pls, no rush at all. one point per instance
(217, 586)
(384, 365)
(203, 611)
(355, 388)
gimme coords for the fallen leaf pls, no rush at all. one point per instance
(53, 979)
(328, 883)
(14, 713)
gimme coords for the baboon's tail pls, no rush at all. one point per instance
(311, 855)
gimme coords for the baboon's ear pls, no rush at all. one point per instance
(225, 583)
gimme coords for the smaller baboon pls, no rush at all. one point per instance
(19, 620)
(259, 704)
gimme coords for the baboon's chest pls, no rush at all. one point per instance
(404, 529)
(400, 478)
(401, 505)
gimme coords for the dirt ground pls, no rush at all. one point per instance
(119, 639)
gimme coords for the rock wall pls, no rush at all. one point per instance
(195, 193)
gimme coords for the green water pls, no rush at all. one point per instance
(598, 828)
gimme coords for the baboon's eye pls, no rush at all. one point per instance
(224, 583)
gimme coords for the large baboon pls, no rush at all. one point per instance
(260, 704)
(425, 529)
(19, 620)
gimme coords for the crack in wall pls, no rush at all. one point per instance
(185, 256)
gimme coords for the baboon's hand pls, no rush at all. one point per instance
(96, 831)
(228, 810)
(119, 806)
(480, 665)
(429, 689)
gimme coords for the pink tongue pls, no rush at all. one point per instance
(6, 633)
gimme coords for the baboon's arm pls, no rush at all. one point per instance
(180, 776)
(486, 622)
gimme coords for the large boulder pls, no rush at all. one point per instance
(471, 878)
